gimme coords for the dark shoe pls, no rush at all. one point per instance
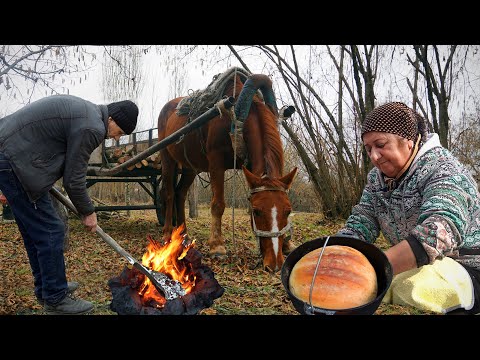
(71, 287)
(69, 306)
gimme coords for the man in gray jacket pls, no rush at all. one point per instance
(42, 142)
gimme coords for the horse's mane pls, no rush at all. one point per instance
(272, 144)
(226, 84)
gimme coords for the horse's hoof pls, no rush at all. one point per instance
(218, 252)
(218, 256)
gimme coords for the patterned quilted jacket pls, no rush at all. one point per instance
(436, 203)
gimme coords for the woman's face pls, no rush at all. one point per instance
(388, 152)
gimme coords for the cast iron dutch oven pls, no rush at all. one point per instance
(376, 257)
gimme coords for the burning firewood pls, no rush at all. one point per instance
(187, 285)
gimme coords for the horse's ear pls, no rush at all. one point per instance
(252, 179)
(288, 179)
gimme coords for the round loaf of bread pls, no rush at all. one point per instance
(345, 278)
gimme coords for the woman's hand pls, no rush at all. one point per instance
(401, 257)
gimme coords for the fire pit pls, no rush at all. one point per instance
(188, 286)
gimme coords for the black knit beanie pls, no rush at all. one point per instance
(125, 114)
(395, 118)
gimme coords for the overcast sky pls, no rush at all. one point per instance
(153, 96)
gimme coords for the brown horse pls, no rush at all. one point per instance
(209, 149)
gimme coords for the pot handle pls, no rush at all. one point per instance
(311, 310)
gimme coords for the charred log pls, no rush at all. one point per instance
(127, 301)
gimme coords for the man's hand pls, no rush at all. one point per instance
(90, 222)
(3, 199)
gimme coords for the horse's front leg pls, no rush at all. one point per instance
(216, 241)
(181, 191)
(167, 193)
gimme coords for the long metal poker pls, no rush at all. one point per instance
(169, 288)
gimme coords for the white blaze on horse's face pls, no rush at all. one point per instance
(270, 211)
(274, 229)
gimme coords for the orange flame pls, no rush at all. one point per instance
(167, 259)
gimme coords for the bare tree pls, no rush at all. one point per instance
(324, 134)
(441, 67)
(466, 145)
(30, 71)
(334, 87)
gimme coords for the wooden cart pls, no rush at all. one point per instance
(148, 174)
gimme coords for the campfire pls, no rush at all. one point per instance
(187, 285)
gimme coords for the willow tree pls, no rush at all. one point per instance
(122, 72)
(122, 80)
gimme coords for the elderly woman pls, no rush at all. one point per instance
(426, 204)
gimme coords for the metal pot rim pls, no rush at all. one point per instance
(376, 257)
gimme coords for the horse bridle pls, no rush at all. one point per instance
(262, 233)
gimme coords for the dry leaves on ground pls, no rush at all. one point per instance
(249, 290)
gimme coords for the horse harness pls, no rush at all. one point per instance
(262, 233)
(199, 133)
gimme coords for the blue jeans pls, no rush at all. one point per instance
(43, 235)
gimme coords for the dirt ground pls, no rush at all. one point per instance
(249, 290)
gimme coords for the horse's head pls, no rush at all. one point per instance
(270, 210)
